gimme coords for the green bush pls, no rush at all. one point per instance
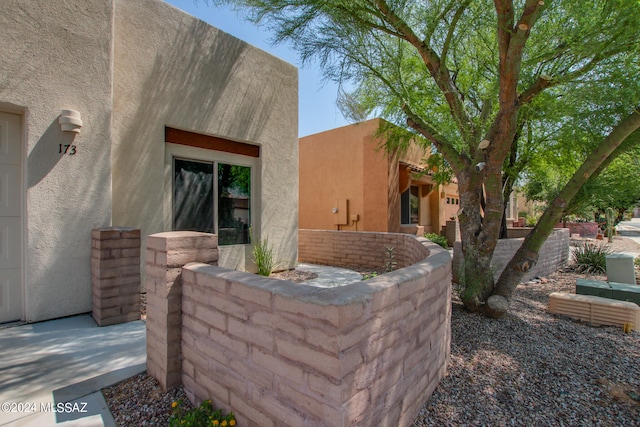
(203, 415)
(263, 257)
(437, 239)
(591, 258)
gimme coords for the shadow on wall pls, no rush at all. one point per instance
(68, 200)
(198, 83)
(42, 159)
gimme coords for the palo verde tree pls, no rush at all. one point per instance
(617, 187)
(475, 79)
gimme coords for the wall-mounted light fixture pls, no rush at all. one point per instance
(70, 121)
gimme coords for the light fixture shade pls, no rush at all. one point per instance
(70, 121)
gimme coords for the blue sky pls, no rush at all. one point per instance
(317, 98)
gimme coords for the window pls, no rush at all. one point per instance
(409, 205)
(211, 203)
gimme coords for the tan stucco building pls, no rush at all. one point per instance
(182, 127)
(347, 182)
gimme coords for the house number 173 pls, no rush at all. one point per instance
(66, 149)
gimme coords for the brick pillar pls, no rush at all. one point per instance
(115, 275)
(166, 254)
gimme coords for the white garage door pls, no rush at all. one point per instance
(10, 218)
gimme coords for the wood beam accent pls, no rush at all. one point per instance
(192, 139)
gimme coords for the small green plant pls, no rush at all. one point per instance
(530, 221)
(371, 275)
(437, 239)
(390, 263)
(591, 258)
(263, 257)
(636, 261)
(203, 415)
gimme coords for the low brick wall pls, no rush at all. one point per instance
(115, 275)
(358, 248)
(553, 255)
(584, 229)
(369, 353)
(517, 232)
(166, 254)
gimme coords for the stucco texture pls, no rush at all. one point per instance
(56, 54)
(349, 167)
(174, 70)
(131, 68)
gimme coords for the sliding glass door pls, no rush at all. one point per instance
(219, 203)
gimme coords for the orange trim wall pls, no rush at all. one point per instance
(346, 168)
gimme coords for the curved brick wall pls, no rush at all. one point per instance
(369, 353)
(359, 248)
(553, 254)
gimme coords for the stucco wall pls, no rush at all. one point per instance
(56, 54)
(162, 68)
(332, 168)
(174, 70)
(350, 163)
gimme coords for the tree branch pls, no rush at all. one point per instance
(436, 68)
(526, 257)
(452, 28)
(457, 161)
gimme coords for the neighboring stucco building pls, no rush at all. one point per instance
(347, 182)
(183, 127)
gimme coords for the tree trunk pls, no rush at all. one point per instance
(479, 236)
(527, 256)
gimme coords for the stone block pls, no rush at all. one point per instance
(257, 335)
(595, 310)
(620, 268)
(278, 366)
(593, 287)
(625, 292)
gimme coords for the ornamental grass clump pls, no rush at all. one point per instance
(203, 415)
(263, 257)
(591, 258)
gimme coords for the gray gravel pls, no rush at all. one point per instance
(532, 368)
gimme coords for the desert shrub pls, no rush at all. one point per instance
(591, 258)
(263, 257)
(437, 239)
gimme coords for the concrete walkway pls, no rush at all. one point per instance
(329, 277)
(630, 230)
(64, 364)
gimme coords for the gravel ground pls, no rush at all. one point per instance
(529, 368)
(532, 368)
